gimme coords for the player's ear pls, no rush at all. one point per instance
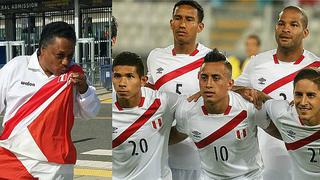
(200, 27)
(171, 24)
(305, 32)
(230, 84)
(143, 80)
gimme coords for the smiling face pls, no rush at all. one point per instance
(127, 82)
(56, 56)
(185, 24)
(290, 30)
(214, 82)
(307, 101)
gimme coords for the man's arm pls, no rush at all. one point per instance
(273, 131)
(88, 104)
(176, 136)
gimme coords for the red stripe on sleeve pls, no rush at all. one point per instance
(223, 130)
(137, 124)
(303, 142)
(285, 80)
(178, 72)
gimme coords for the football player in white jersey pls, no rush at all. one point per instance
(141, 121)
(299, 124)
(174, 69)
(272, 72)
(223, 125)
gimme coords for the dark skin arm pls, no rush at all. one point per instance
(175, 136)
(273, 131)
(80, 82)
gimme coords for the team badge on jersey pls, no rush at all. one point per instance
(157, 124)
(241, 134)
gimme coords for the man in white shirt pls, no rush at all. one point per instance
(272, 72)
(222, 124)
(141, 121)
(174, 69)
(40, 95)
(299, 124)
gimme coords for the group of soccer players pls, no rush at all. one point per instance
(216, 136)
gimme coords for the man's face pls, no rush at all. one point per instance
(290, 31)
(214, 82)
(127, 82)
(307, 100)
(252, 47)
(185, 24)
(56, 56)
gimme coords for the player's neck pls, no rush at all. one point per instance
(217, 107)
(289, 55)
(129, 103)
(183, 48)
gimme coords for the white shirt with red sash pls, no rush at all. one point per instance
(265, 72)
(38, 116)
(301, 141)
(177, 73)
(140, 137)
(227, 142)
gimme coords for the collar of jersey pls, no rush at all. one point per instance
(298, 61)
(226, 112)
(139, 105)
(34, 63)
(191, 54)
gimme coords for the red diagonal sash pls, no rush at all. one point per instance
(287, 79)
(137, 124)
(178, 72)
(298, 144)
(223, 130)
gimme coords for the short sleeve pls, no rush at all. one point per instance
(244, 78)
(181, 116)
(275, 109)
(261, 118)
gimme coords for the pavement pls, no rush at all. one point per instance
(87, 173)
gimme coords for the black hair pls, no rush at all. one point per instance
(216, 56)
(114, 27)
(129, 59)
(253, 36)
(301, 11)
(311, 74)
(192, 3)
(56, 29)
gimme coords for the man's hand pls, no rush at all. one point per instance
(80, 82)
(252, 95)
(194, 97)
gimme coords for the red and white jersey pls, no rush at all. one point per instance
(266, 73)
(227, 142)
(140, 137)
(302, 141)
(177, 73)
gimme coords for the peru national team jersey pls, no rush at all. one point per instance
(302, 141)
(266, 73)
(140, 137)
(227, 142)
(177, 73)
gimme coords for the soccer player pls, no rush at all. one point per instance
(174, 69)
(40, 95)
(272, 72)
(299, 124)
(222, 124)
(141, 120)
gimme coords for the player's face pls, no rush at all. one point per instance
(252, 47)
(307, 100)
(127, 82)
(290, 31)
(185, 24)
(214, 82)
(56, 56)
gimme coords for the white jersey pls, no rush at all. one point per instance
(177, 73)
(302, 141)
(266, 73)
(140, 137)
(227, 142)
